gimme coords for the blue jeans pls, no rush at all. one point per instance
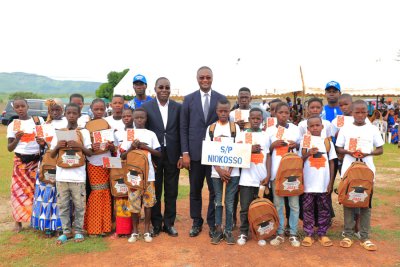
(279, 202)
(231, 189)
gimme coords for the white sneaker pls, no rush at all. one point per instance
(262, 242)
(133, 238)
(242, 240)
(294, 242)
(147, 237)
(277, 240)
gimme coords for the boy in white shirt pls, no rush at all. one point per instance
(251, 178)
(80, 101)
(367, 137)
(220, 175)
(314, 108)
(282, 137)
(145, 140)
(71, 182)
(318, 182)
(115, 120)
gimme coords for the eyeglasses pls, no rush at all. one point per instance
(161, 87)
(205, 77)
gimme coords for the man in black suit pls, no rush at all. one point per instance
(198, 111)
(163, 118)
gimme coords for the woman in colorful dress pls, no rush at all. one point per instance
(45, 212)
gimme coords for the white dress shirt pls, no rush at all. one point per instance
(164, 116)
(203, 99)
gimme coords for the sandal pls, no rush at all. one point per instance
(79, 238)
(325, 241)
(346, 242)
(277, 240)
(368, 245)
(61, 239)
(307, 241)
(294, 242)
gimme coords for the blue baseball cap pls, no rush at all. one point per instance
(333, 84)
(139, 78)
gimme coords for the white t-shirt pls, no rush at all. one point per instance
(59, 124)
(73, 175)
(316, 177)
(82, 120)
(145, 136)
(292, 133)
(97, 160)
(115, 124)
(368, 135)
(54, 125)
(347, 120)
(27, 145)
(224, 131)
(326, 132)
(258, 171)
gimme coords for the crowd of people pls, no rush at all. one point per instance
(79, 200)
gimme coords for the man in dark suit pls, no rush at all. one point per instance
(163, 118)
(198, 111)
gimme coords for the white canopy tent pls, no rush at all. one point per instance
(125, 87)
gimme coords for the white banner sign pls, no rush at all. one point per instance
(226, 154)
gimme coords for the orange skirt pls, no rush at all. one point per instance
(98, 207)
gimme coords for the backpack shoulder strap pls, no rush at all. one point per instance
(36, 120)
(211, 130)
(232, 126)
(327, 143)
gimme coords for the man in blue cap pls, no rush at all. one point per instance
(140, 86)
(332, 93)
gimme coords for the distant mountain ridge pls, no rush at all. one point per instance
(20, 81)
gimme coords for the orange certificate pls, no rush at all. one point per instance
(307, 141)
(17, 125)
(106, 162)
(97, 137)
(280, 132)
(257, 158)
(26, 138)
(317, 162)
(270, 121)
(130, 135)
(340, 121)
(248, 138)
(353, 144)
(238, 115)
(282, 150)
(39, 131)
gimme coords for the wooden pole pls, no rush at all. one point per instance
(303, 93)
(223, 193)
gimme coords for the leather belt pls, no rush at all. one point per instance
(100, 187)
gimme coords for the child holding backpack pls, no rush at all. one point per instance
(145, 140)
(98, 208)
(21, 140)
(71, 174)
(251, 178)
(283, 137)
(318, 182)
(223, 131)
(357, 141)
(45, 211)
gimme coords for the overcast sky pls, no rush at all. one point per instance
(354, 42)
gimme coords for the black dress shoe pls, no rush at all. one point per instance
(170, 230)
(195, 231)
(156, 231)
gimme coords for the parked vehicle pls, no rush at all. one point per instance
(37, 107)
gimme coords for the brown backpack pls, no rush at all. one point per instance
(71, 157)
(117, 184)
(232, 127)
(289, 177)
(263, 218)
(356, 186)
(94, 126)
(47, 172)
(137, 169)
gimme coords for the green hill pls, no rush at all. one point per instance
(19, 81)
